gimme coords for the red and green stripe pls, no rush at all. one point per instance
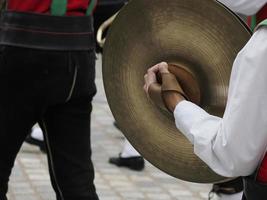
(59, 7)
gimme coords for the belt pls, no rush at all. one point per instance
(40, 31)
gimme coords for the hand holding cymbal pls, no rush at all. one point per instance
(168, 92)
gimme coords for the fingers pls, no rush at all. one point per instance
(163, 67)
(160, 67)
(145, 85)
(150, 77)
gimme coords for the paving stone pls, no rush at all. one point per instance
(181, 193)
(161, 196)
(136, 195)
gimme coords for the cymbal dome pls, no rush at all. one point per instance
(202, 36)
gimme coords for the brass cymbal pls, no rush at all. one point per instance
(203, 38)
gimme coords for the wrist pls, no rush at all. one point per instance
(171, 99)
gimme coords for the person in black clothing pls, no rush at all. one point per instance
(47, 72)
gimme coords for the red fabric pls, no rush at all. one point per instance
(262, 173)
(249, 21)
(260, 16)
(75, 7)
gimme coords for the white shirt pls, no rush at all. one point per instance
(235, 144)
(246, 7)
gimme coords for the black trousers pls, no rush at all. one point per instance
(55, 89)
(254, 190)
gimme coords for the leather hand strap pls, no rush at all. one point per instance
(170, 84)
(159, 94)
(154, 92)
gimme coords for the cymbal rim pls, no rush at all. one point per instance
(135, 114)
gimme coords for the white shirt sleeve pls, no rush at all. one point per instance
(235, 144)
(246, 7)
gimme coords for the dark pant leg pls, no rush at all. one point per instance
(16, 111)
(14, 126)
(67, 132)
(254, 190)
(228, 188)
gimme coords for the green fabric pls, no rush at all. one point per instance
(59, 7)
(263, 23)
(253, 22)
(91, 7)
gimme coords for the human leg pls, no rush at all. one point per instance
(129, 158)
(17, 109)
(66, 128)
(36, 138)
(69, 152)
(37, 133)
(229, 190)
(128, 150)
(14, 127)
(237, 196)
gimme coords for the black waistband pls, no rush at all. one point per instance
(40, 31)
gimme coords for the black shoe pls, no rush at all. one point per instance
(135, 163)
(29, 139)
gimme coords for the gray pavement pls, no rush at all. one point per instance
(30, 179)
